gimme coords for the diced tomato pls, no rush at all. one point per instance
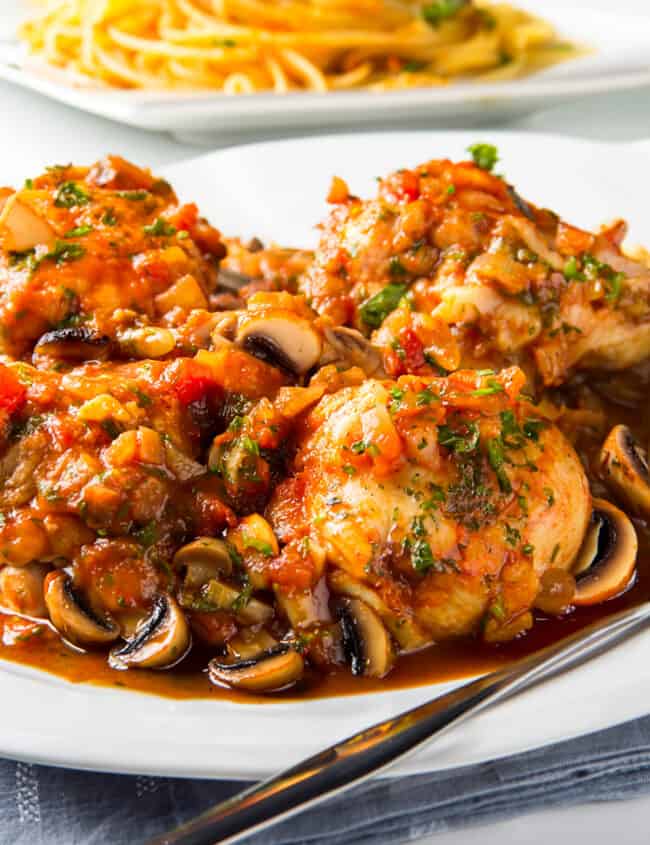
(413, 349)
(12, 392)
(155, 269)
(407, 356)
(186, 216)
(190, 380)
(572, 241)
(402, 185)
(339, 191)
(210, 514)
(291, 569)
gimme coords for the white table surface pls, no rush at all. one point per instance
(37, 132)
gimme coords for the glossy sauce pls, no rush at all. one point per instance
(43, 649)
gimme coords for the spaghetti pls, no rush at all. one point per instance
(246, 46)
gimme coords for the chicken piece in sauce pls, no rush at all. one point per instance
(92, 258)
(449, 498)
(452, 268)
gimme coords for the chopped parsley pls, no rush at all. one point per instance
(134, 196)
(512, 535)
(259, 545)
(425, 397)
(589, 268)
(109, 218)
(421, 556)
(396, 268)
(251, 446)
(147, 535)
(161, 228)
(413, 66)
(439, 11)
(484, 156)
(396, 399)
(571, 271)
(70, 195)
(244, 596)
(374, 311)
(63, 252)
(492, 388)
(496, 459)
(79, 232)
(457, 442)
(111, 428)
(144, 400)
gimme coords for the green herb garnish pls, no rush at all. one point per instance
(441, 10)
(70, 195)
(496, 459)
(79, 232)
(484, 156)
(161, 228)
(374, 311)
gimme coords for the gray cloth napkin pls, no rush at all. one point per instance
(47, 806)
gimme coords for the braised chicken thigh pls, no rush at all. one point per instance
(92, 258)
(451, 267)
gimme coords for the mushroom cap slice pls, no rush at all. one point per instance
(408, 633)
(366, 642)
(232, 280)
(624, 469)
(74, 621)
(160, 641)
(275, 669)
(74, 343)
(347, 348)
(282, 339)
(203, 559)
(605, 566)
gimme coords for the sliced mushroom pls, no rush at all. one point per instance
(624, 468)
(203, 559)
(183, 467)
(160, 641)
(232, 280)
(72, 618)
(249, 643)
(349, 348)
(407, 632)
(282, 339)
(272, 670)
(22, 227)
(304, 608)
(605, 566)
(74, 343)
(366, 642)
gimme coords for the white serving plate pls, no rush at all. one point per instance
(619, 61)
(275, 190)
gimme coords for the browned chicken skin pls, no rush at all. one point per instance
(454, 268)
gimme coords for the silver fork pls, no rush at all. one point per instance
(356, 758)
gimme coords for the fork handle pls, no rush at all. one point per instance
(356, 758)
